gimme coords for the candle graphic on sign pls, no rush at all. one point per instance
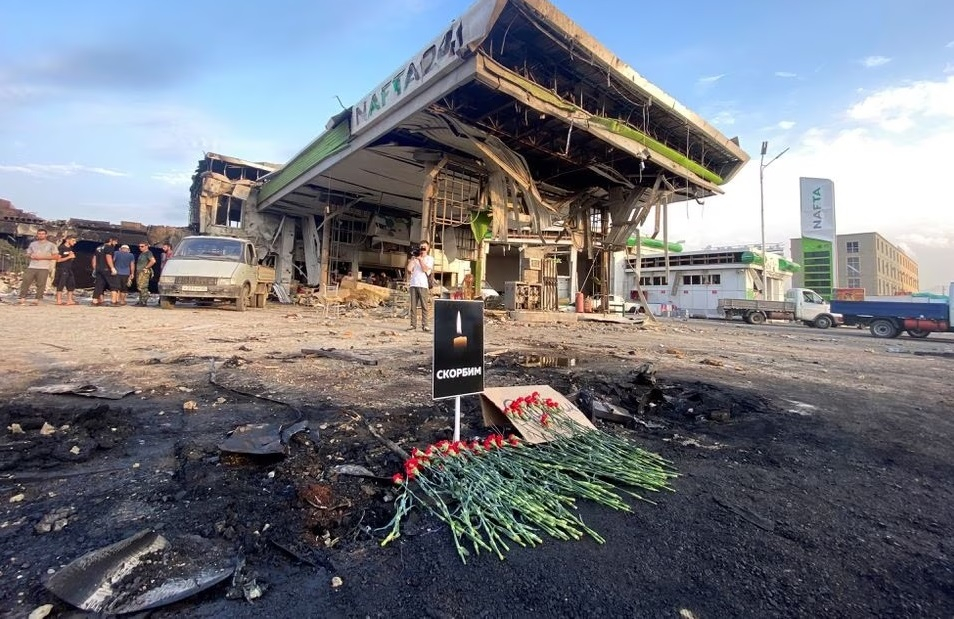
(461, 340)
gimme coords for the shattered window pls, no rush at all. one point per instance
(229, 212)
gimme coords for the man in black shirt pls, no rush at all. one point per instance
(104, 271)
(64, 271)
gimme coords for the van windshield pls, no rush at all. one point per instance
(210, 247)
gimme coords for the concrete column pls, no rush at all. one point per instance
(574, 278)
(326, 248)
(284, 265)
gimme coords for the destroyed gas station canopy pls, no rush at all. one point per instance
(537, 123)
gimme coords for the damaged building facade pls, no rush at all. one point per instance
(522, 149)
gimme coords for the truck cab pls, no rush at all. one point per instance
(215, 268)
(811, 308)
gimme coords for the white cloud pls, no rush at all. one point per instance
(724, 118)
(875, 61)
(949, 68)
(785, 125)
(856, 154)
(785, 74)
(58, 169)
(19, 92)
(174, 178)
(899, 109)
(711, 79)
(926, 240)
(950, 45)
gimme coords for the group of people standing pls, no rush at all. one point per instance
(115, 269)
(114, 266)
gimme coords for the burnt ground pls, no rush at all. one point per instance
(816, 468)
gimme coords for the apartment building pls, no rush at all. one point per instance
(869, 261)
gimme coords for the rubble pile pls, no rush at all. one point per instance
(309, 297)
(351, 294)
(365, 299)
(9, 283)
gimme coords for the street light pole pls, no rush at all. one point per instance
(762, 166)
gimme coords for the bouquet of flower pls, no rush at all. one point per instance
(502, 490)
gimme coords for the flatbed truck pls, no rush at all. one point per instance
(888, 319)
(800, 304)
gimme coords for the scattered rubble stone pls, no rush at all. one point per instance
(55, 520)
(41, 611)
(47, 429)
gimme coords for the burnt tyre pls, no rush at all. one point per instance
(823, 321)
(167, 302)
(918, 333)
(883, 328)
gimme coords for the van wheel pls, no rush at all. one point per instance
(756, 318)
(244, 300)
(823, 321)
(918, 333)
(167, 302)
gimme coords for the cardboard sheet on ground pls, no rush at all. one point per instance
(494, 399)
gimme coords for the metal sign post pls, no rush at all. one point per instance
(458, 368)
(456, 418)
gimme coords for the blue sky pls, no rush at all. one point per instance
(105, 110)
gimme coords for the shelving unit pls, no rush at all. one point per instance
(523, 296)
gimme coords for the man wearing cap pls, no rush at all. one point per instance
(123, 261)
(144, 265)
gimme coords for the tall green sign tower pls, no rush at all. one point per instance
(817, 200)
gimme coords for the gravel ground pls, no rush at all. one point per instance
(816, 468)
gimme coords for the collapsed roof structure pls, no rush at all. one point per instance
(513, 117)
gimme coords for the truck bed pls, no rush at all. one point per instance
(756, 304)
(890, 309)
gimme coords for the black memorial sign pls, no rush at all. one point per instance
(458, 348)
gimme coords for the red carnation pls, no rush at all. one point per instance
(397, 479)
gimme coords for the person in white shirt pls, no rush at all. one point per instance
(419, 268)
(43, 255)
